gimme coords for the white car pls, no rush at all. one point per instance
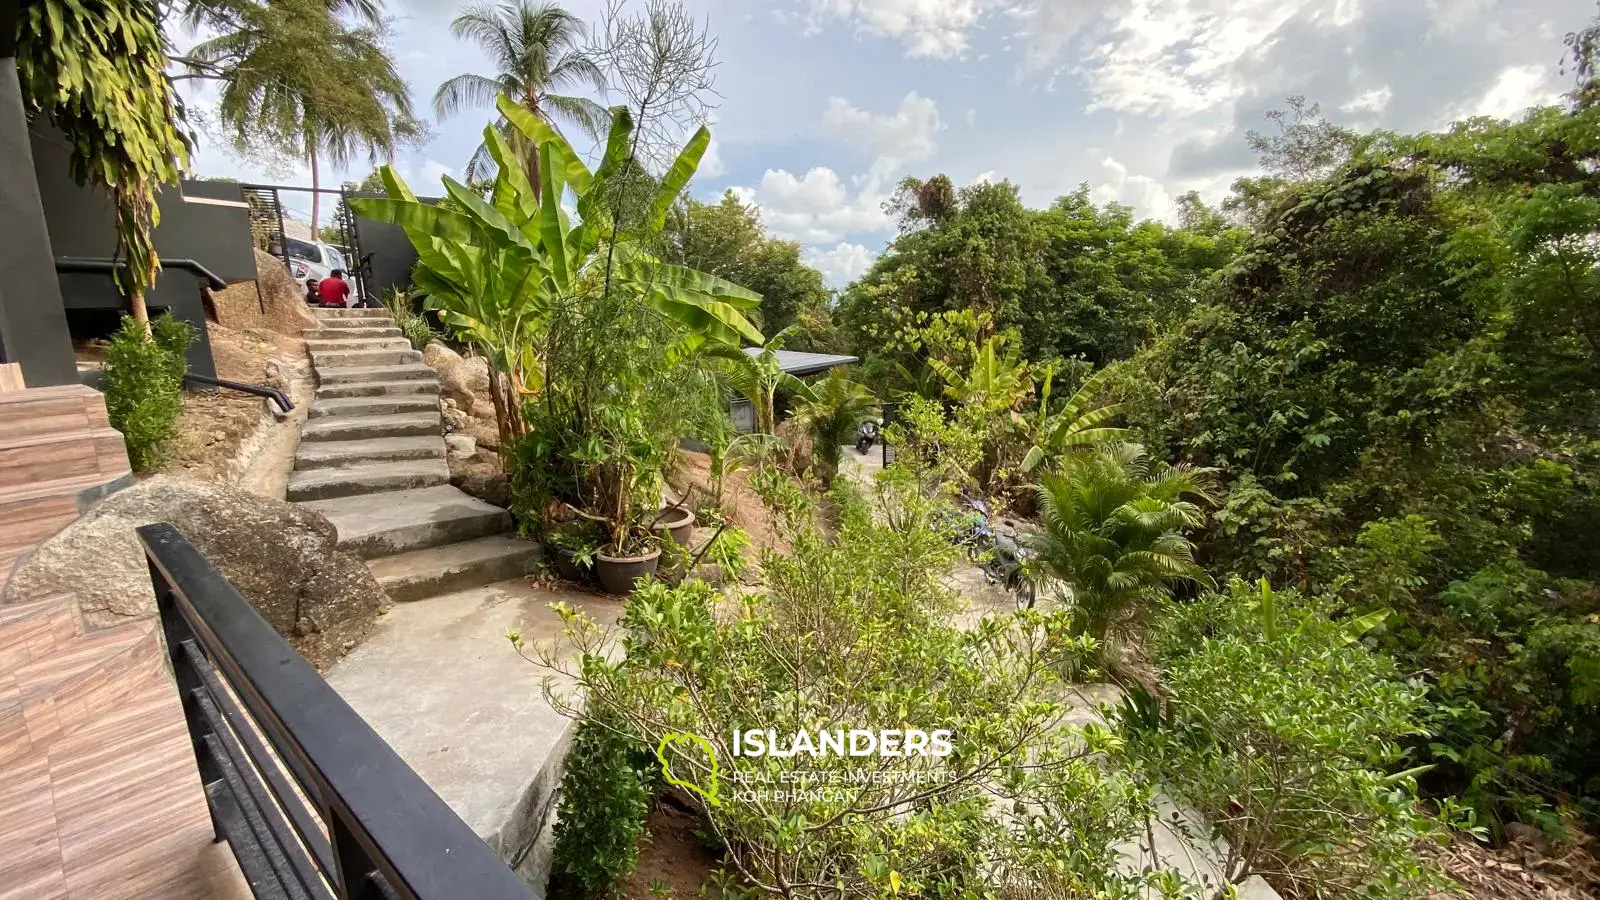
(314, 259)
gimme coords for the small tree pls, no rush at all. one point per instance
(1113, 534)
(830, 414)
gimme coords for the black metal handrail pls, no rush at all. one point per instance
(105, 264)
(271, 393)
(269, 735)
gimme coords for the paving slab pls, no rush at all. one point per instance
(348, 374)
(441, 684)
(378, 389)
(420, 574)
(381, 405)
(355, 428)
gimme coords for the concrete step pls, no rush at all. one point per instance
(366, 478)
(355, 374)
(356, 324)
(323, 454)
(340, 359)
(410, 520)
(335, 344)
(361, 312)
(360, 428)
(373, 406)
(378, 389)
(365, 332)
(454, 567)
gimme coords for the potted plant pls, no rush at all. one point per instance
(572, 554)
(674, 523)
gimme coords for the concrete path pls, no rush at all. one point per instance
(441, 684)
(372, 459)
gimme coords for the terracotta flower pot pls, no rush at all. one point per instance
(617, 574)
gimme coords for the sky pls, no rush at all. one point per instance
(826, 104)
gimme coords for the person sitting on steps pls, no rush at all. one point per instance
(334, 290)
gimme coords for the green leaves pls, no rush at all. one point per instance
(677, 178)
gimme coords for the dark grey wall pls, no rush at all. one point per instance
(33, 325)
(392, 254)
(212, 226)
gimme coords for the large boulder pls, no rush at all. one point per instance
(281, 557)
(461, 379)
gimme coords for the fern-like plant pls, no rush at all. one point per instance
(1113, 533)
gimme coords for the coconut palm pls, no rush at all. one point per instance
(1112, 532)
(534, 47)
(830, 415)
(298, 80)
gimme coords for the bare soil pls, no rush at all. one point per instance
(215, 424)
(671, 856)
(740, 503)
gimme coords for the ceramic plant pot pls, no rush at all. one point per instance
(677, 524)
(566, 567)
(618, 573)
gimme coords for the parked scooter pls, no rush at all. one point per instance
(866, 435)
(997, 550)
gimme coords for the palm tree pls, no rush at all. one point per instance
(535, 50)
(830, 415)
(300, 81)
(1112, 531)
(757, 377)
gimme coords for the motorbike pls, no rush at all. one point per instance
(997, 550)
(866, 435)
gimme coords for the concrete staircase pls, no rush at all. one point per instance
(372, 459)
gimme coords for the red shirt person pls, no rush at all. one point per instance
(334, 289)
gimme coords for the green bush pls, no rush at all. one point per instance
(416, 329)
(605, 797)
(144, 385)
(1284, 731)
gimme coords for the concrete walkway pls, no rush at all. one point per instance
(372, 459)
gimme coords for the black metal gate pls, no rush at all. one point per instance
(266, 228)
(887, 417)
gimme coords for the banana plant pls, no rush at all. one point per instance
(494, 266)
(758, 377)
(998, 380)
(1074, 425)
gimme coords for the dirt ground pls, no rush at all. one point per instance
(1527, 868)
(672, 856)
(740, 503)
(215, 424)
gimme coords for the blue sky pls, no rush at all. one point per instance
(826, 104)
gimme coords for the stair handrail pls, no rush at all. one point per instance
(372, 829)
(107, 264)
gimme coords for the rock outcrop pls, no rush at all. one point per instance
(282, 558)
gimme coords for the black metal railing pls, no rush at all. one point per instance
(107, 265)
(284, 404)
(311, 801)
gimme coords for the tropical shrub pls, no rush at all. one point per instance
(1285, 732)
(830, 412)
(144, 385)
(605, 796)
(415, 328)
(848, 636)
(1112, 538)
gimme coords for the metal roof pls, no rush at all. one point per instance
(797, 363)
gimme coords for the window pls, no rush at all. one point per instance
(305, 250)
(335, 258)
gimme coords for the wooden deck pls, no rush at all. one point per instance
(99, 795)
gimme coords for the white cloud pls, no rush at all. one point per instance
(906, 135)
(843, 264)
(1146, 195)
(971, 117)
(988, 177)
(1514, 90)
(425, 177)
(934, 28)
(817, 207)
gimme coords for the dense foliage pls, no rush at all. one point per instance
(144, 385)
(96, 70)
(1074, 280)
(1399, 375)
